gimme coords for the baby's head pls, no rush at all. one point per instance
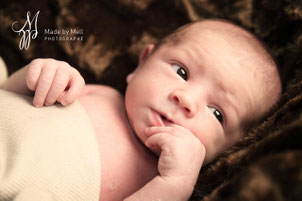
(211, 77)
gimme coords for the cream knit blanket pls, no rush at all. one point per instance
(3, 71)
(48, 153)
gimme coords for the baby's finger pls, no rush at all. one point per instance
(158, 142)
(58, 86)
(43, 86)
(172, 129)
(33, 74)
(149, 131)
(76, 84)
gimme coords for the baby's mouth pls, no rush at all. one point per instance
(165, 120)
(160, 119)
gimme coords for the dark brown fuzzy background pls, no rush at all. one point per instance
(267, 163)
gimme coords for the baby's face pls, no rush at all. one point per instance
(199, 84)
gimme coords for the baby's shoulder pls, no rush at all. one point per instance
(103, 96)
(100, 90)
(96, 98)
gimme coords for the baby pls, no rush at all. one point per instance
(191, 97)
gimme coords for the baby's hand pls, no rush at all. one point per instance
(181, 154)
(53, 81)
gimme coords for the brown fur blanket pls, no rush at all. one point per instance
(266, 164)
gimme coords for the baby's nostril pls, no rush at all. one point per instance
(176, 99)
(187, 110)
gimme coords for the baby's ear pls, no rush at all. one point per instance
(130, 76)
(145, 54)
(142, 59)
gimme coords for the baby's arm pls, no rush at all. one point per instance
(49, 79)
(181, 157)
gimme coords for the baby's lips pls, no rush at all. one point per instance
(169, 124)
(158, 121)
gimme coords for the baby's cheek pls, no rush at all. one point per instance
(211, 144)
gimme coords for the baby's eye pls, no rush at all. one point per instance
(180, 71)
(217, 114)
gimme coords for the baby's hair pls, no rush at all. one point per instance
(175, 37)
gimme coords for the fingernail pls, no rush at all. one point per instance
(63, 103)
(38, 104)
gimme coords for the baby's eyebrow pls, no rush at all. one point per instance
(229, 99)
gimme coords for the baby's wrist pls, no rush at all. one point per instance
(181, 186)
(164, 189)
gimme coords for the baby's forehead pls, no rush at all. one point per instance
(229, 40)
(235, 47)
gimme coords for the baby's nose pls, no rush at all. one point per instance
(185, 102)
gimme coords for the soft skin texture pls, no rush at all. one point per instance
(51, 81)
(214, 83)
(186, 102)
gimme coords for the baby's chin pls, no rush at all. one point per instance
(139, 132)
